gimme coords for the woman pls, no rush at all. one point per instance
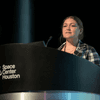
(72, 34)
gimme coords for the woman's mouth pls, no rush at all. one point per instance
(67, 32)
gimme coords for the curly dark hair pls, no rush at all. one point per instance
(79, 22)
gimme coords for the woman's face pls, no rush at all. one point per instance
(70, 28)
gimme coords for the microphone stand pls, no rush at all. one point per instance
(48, 40)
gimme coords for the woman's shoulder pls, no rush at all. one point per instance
(86, 45)
(89, 47)
(81, 46)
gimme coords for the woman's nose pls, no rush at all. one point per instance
(68, 28)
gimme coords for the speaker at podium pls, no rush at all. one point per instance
(35, 72)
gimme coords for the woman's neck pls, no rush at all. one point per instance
(71, 42)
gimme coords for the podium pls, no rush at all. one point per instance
(33, 72)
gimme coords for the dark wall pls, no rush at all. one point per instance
(48, 17)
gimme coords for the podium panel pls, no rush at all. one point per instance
(27, 67)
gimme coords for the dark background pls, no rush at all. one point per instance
(48, 17)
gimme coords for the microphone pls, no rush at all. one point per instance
(49, 40)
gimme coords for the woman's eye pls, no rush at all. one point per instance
(72, 26)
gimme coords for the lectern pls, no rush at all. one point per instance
(35, 72)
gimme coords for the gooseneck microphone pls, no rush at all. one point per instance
(49, 40)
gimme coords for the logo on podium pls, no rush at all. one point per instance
(8, 72)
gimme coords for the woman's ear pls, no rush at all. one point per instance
(81, 30)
